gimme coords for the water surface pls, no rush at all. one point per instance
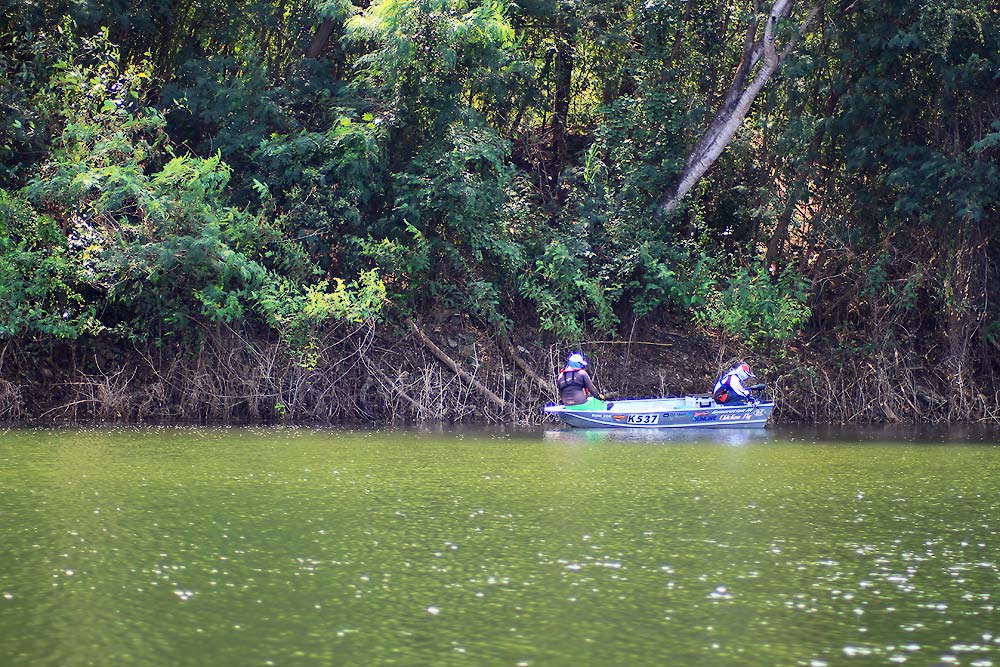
(304, 547)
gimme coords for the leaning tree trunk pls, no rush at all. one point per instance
(320, 39)
(746, 86)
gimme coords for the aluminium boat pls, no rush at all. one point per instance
(672, 412)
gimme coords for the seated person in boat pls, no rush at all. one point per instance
(575, 385)
(730, 390)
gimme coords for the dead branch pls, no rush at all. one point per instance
(450, 363)
(385, 381)
(546, 386)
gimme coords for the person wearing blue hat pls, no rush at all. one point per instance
(575, 386)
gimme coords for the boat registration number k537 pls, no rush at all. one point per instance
(643, 419)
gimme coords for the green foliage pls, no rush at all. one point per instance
(668, 279)
(23, 57)
(903, 140)
(225, 105)
(991, 333)
(41, 289)
(754, 308)
(327, 183)
(299, 312)
(444, 238)
(187, 167)
(884, 283)
(442, 40)
(152, 234)
(566, 297)
(453, 191)
(636, 151)
(429, 57)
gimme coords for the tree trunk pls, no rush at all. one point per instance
(320, 39)
(774, 244)
(743, 91)
(565, 41)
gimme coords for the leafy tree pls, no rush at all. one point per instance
(152, 233)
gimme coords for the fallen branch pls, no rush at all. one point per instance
(441, 356)
(387, 382)
(546, 386)
(66, 406)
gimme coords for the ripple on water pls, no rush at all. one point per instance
(416, 550)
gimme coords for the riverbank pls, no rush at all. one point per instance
(441, 368)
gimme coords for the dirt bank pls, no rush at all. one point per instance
(441, 368)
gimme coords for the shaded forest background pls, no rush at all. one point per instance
(412, 209)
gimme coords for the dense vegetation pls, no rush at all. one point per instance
(281, 176)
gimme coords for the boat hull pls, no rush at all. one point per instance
(680, 412)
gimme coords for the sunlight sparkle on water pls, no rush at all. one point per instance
(274, 547)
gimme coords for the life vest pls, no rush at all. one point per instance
(570, 377)
(721, 390)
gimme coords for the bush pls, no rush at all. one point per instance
(40, 283)
(756, 309)
(151, 235)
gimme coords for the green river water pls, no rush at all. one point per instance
(289, 547)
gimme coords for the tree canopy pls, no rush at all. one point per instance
(166, 165)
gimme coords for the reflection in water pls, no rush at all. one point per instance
(734, 437)
(300, 547)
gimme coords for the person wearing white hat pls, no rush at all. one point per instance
(730, 390)
(574, 382)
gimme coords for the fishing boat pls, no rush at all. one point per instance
(673, 412)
